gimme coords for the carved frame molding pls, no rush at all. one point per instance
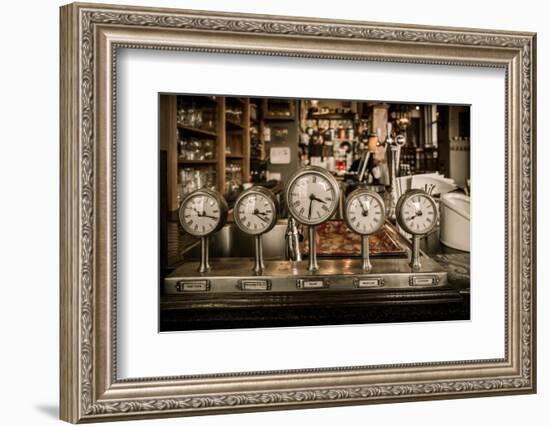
(90, 37)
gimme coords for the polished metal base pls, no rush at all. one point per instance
(236, 275)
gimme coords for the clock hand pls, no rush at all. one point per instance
(310, 203)
(417, 213)
(208, 216)
(259, 215)
(365, 211)
(313, 197)
(203, 215)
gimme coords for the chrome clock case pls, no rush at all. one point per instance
(416, 233)
(221, 204)
(356, 195)
(409, 195)
(316, 173)
(273, 205)
(269, 216)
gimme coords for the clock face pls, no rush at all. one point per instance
(312, 196)
(255, 212)
(417, 212)
(200, 213)
(365, 212)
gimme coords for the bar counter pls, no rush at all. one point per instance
(282, 307)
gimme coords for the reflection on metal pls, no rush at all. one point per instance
(254, 285)
(229, 274)
(394, 147)
(312, 283)
(365, 156)
(415, 257)
(423, 280)
(365, 253)
(192, 286)
(204, 265)
(292, 240)
(258, 258)
(312, 264)
(368, 282)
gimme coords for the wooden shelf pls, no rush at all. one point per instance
(271, 114)
(348, 116)
(197, 131)
(226, 134)
(230, 99)
(234, 124)
(197, 162)
(286, 118)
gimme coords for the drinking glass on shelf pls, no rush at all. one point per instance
(182, 114)
(181, 149)
(187, 150)
(208, 149)
(190, 116)
(208, 119)
(198, 118)
(187, 180)
(210, 178)
(195, 150)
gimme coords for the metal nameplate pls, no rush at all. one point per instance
(192, 286)
(311, 283)
(423, 280)
(255, 285)
(370, 282)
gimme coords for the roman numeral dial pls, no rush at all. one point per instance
(203, 212)
(364, 212)
(256, 211)
(417, 212)
(312, 195)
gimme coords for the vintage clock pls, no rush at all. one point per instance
(364, 213)
(255, 213)
(202, 213)
(416, 214)
(312, 197)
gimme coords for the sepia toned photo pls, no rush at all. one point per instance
(307, 212)
(264, 212)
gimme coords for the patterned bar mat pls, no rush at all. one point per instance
(335, 239)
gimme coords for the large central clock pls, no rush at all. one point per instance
(312, 195)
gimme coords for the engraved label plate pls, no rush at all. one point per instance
(192, 286)
(368, 282)
(255, 285)
(311, 283)
(423, 280)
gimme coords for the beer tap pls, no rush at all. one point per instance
(394, 147)
(292, 237)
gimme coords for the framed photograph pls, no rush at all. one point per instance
(267, 212)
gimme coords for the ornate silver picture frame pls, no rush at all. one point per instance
(90, 36)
